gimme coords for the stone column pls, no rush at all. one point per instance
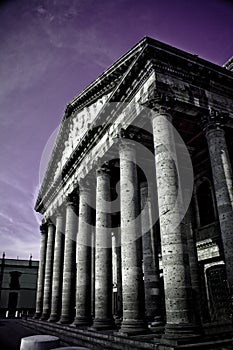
(180, 320)
(84, 243)
(119, 277)
(57, 268)
(69, 267)
(131, 243)
(150, 258)
(93, 269)
(48, 272)
(41, 272)
(223, 185)
(103, 253)
(193, 262)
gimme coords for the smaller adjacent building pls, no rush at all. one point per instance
(18, 281)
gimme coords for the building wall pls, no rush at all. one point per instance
(18, 283)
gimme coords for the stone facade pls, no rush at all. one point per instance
(18, 282)
(140, 183)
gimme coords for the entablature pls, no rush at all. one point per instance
(194, 87)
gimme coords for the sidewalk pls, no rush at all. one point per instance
(11, 332)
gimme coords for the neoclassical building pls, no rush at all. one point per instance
(137, 201)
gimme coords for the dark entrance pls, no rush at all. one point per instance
(13, 300)
(219, 295)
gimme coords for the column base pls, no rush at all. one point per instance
(156, 322)
(103, 324)
(82, 322)
(178, 334)
(157, 326)
(132, 327)
(118, 321)
(53, 318)
(44, 316)
(66, 320)
(37, 315)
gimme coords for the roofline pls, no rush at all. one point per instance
(159, 45)
(229, 64)
(146, 41)
(137, 47)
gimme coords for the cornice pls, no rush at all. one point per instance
(89, 140)
(229, 64)
(104, 83)
(164, 59)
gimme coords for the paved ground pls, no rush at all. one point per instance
(11, 332)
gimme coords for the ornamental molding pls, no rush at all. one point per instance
(213, 119)
(84, 147)
(121, 82)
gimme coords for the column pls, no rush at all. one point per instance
(69, 267)
(103, 252)
(193, 262)
(93, 269)
(150, 257)
(84, 243)
(57, 268)
(180, 320)
(48, 272)
(223, 185)
(131, 243)
(41, 272)
(119, 276)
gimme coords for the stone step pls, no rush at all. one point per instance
(72, 336)
(110, 340)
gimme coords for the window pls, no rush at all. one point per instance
(14, 282)
(205, 203)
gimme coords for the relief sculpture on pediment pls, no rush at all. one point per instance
(77, 129)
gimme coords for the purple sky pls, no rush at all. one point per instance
(49, 51)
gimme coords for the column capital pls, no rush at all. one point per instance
(43, 228)
(103, 170)
(84, 185)
(50, 222)
(71, 199)
(59, 213)
(213, 120)
(161, 104)
(126, 140)
(125, 134)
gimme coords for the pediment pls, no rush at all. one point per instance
(128, 78)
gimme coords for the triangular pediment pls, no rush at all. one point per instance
(120, 82)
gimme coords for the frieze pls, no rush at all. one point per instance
(181, 91)
(78, 127)
(84, 162)
(167, 61)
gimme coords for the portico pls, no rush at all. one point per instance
(112, 165)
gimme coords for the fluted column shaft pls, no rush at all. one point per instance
(131, 243)
(103, 253)
(177, 282)
(41, 272)
(193, 262)
(223, 185)
(48, 272)
(69, 267)
(150, 257)
(84, 242)
(57, 268)
(119, 276)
